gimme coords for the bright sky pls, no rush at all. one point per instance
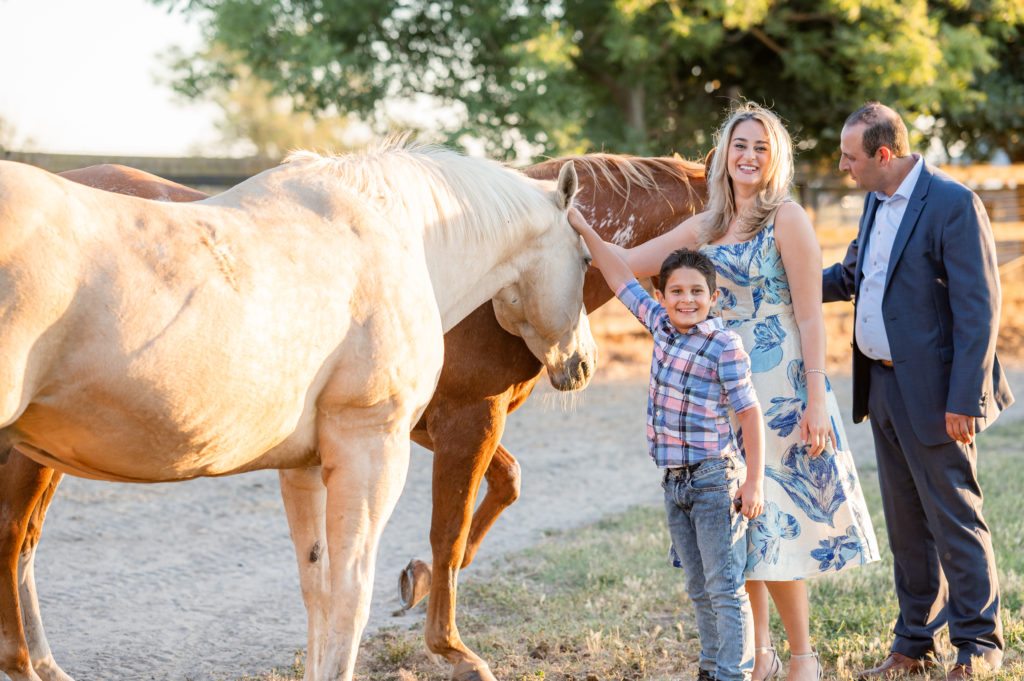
(81, 76)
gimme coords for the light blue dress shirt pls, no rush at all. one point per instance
(869, 328)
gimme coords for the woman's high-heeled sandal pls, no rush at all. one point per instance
(775, 666)
(814, 654)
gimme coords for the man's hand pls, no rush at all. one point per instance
(960, 427)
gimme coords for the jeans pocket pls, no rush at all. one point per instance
(718, 475)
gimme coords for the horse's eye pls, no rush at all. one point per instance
(586, 261)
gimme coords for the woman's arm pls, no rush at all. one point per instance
(801, 257)
(645, 260)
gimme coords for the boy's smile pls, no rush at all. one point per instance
(686, 298)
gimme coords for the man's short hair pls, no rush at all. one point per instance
(694, 260)
(885, 128)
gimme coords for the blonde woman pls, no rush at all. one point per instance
(768, 260)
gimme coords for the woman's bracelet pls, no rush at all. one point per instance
(815, 371)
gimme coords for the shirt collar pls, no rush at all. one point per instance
(906, 187)
(708, 325)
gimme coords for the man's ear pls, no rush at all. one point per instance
(884, 154)
(659, 296)
(714, 297)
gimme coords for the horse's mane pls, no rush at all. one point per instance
(463, 196)
(622, 172)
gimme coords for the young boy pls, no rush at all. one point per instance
(698, 370)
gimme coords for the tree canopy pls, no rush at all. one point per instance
(633, 76)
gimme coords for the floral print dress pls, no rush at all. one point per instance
(814, 519)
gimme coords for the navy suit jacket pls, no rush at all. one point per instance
(940, 307)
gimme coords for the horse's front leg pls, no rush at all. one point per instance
(465, 437)
(364, 470)
(26, 490)
(503, 484)
(503, 476)
(305, 501)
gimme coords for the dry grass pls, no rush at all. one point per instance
(599, 603)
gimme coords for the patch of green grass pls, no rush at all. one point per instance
(288, 673)
(601, 603)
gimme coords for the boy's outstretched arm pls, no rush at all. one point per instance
(751, 491)
(614, 269)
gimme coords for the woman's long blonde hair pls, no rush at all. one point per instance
(721, 205)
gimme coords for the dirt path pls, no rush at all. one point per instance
(197, 580)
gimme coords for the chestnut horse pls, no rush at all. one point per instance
(294, 322)
(629, 200)
(487, 374)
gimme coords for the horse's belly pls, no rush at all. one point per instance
(111, 448)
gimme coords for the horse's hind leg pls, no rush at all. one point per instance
(39, 648)
(26, 490)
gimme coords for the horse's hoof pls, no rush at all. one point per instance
(49, 671)
(482, 673)
(413, 584)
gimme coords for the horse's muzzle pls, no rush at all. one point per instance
(575, 374)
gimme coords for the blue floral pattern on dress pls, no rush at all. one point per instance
(815, 485)
(726, 300)
(806, 500)
(785, 413)
(767, 351)
(770, 285)
(835, 552)
(766, 532)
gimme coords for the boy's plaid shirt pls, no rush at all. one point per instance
(695, 376)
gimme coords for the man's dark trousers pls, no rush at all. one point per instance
(940, 543)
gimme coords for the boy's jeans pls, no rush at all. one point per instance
(710, 537)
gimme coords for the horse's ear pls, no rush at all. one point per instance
(568, 185)
(708, 159)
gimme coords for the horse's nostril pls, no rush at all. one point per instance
(584, 368)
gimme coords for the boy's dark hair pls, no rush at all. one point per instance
(684, 257)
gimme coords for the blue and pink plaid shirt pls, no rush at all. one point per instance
(695, 377)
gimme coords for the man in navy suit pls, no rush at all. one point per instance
(924, 278)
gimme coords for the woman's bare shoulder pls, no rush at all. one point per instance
(791, 218)
(791, 211)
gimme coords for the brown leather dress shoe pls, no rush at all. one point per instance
(895, 666)
(959, 672)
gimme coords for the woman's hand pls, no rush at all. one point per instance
(816, 428)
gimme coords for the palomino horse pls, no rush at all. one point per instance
(293, 322)
(488, 373)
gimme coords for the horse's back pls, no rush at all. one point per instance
(205, 330)
(119, 179)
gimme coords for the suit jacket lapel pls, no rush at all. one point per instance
(909, 221)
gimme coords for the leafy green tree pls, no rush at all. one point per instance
(638, 76)
(257, 121)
